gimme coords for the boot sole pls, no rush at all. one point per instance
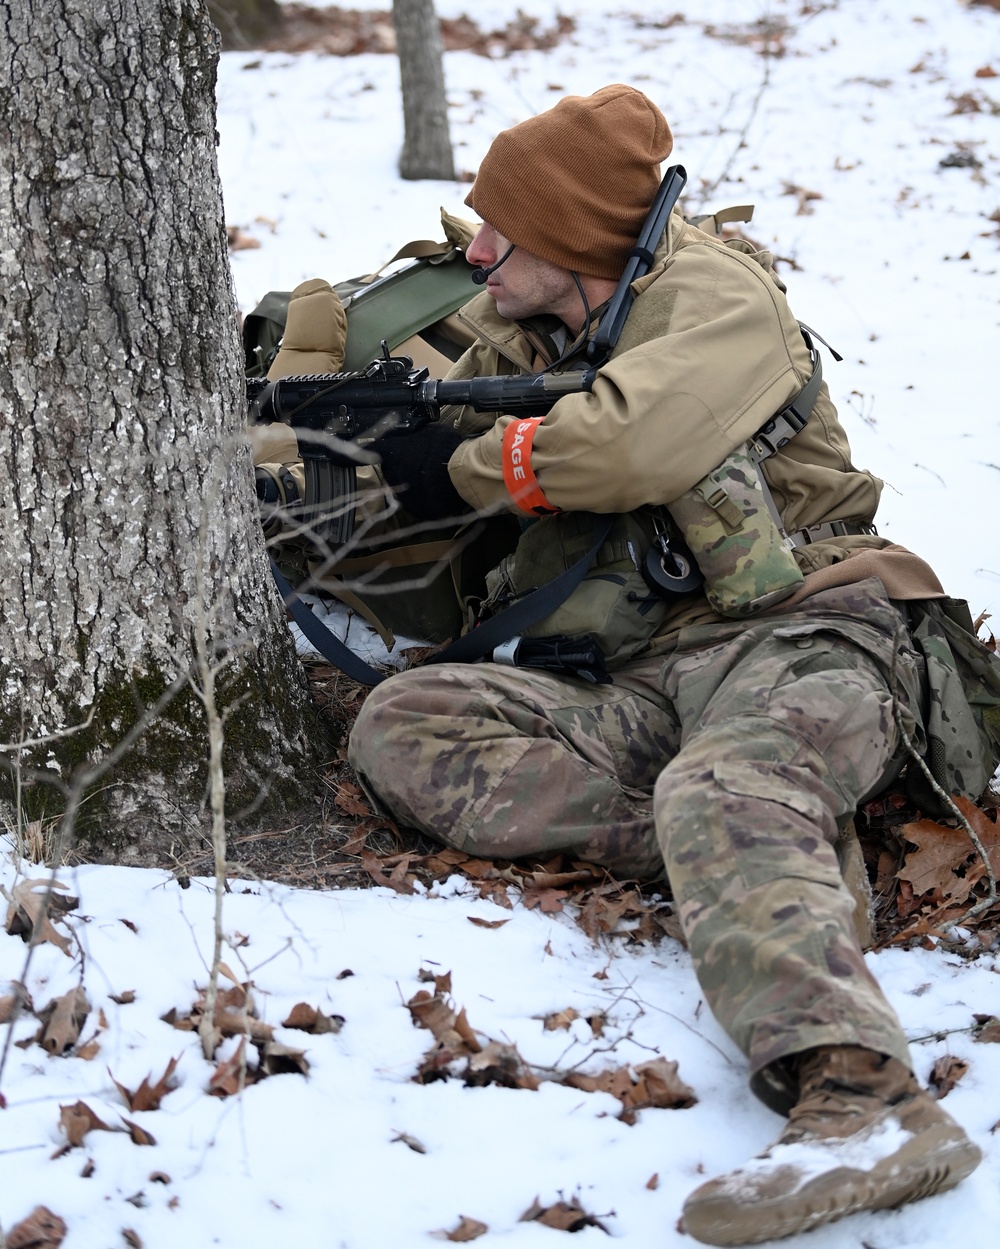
(931, 1162)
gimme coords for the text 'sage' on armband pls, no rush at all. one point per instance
(518, 475)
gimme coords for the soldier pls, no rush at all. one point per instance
(744, 721)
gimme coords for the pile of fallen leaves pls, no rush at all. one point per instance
(928, 874)
(351, 32)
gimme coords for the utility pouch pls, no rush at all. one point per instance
(962, 720)
(612, 606)
(728, 526)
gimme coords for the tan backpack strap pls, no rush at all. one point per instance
(740, 212)
(419, 249)
(398, 557)
(351, 600)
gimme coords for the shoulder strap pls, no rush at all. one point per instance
(485, 638)
(477, 644)
(325, 640)
(784, 425)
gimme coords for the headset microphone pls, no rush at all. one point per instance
(479, 276)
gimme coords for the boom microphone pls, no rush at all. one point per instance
(479, 276)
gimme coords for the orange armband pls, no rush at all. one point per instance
(518, 475)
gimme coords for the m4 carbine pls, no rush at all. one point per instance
(335, 414)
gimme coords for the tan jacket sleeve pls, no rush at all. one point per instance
(665, 411)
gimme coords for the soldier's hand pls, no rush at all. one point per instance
(415, 464)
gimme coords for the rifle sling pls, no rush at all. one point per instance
(477, 644)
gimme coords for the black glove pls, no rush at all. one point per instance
(415, 464)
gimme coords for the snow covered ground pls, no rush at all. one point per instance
(896, 265)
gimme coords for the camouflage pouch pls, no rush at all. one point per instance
(743, 556)
(963, 714)
(613, 604)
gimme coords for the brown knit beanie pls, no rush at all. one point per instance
(575, 183)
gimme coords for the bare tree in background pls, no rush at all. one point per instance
(426, 142)
(131, 554)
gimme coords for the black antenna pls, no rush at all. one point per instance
(640, 261)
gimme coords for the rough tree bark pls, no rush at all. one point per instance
(426, 142)
(129, 540)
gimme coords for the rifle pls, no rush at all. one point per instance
(335, 414)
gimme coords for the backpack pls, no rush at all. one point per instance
(411, 308)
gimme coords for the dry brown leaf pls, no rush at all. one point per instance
(12, 1005)
(486, 923)
(496, 892)
(466, 1229)
(88, 1051)
(451, 1028)
(598, 1021)
(564, 1216)
(138, 1134)
(396, 879)
(582, 875)
(62, 1021)
(123, 999)
(550, 901)
(306, 1018)
(235, 1014)
(445, 863)
(131, 1238)
(946, 1073)
(664, 1087)
(350, 799)
(410, 1142)
(32, 903)
(987, 1029)
(277, 1059)
(40, 1230)
(148, 1096)
(946, 865)
(651, 1084)
(77, 1120)
(441, 983)
(653, 1183)
(560, 1019)
(499, 1063)
(804, 196)
(232, 1074)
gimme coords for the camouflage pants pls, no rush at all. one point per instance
(739, 754)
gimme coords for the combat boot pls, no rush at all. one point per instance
(862, 1136)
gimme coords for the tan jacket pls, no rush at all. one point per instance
(709, 353)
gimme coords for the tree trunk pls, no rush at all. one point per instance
(426, 142)
(130, 548)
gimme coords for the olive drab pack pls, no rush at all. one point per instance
(411, 308)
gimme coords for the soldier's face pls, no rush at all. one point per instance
(525, 285)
